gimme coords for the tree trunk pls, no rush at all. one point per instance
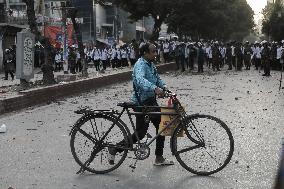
(31, 18)
(73, 14)
(47, 68)
(156, 29)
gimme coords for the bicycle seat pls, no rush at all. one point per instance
(126, 104)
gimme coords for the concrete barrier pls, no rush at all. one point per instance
(48, 94)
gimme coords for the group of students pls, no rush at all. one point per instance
(235, 54)
(100, 56)
(214, 54)
(114, 56)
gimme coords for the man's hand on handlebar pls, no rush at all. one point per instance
(159, 92)
(162, 93)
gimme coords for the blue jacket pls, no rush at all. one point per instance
(145, 80)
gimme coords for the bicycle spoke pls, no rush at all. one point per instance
(213, 158)
(197, 134)
(87, 135)
(188, 149)
(113, 135)
(94, 129)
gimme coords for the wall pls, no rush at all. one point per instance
(52, 93)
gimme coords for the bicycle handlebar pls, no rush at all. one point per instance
(167, 94)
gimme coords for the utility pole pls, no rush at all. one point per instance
(65, 53)
(90, 26)
(64, 9)
(116, 24)
(143, 27)
(95, 20)
(2, 12)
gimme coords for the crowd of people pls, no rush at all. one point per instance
(100, 56)
(215, 55)
(186, 54)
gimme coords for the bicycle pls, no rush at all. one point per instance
(196, 151)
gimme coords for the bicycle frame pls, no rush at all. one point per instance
(178, 116)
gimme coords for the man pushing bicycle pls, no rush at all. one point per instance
(147, 84)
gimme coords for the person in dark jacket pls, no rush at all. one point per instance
(216, 56)
(200, 58)
(247, 55)
(239, 56)
(229, 58)
(72, 60)
(8, 64)
(265, 56)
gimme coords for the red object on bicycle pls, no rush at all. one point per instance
(170, 102)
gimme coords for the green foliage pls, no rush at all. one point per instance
(273, 22)
(221, 19)
(198, 18)
(158, 9)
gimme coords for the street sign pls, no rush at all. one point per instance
(25, 55)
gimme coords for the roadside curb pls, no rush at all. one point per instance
(47, 94)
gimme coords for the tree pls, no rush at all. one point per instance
(157, 9)
(273, 22)
(213, 19)
(72, 13)
(47, 68)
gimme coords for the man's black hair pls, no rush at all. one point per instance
(144, 49)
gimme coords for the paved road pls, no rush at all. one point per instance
(35, 151)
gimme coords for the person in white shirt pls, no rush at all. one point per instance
(58, 61)
(223, 55)
(186, 56)
(207, 52)
(279, 55)
(257, 55)
(234, 61)
(124, 62)
(97, 58)
(166, 47)
(78, 67)
(113, 58)
(210, 56)
(104, 53)
(118, 54)
(142, 42)
(89, 55)
(132, 55)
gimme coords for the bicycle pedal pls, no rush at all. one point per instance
(132, 166)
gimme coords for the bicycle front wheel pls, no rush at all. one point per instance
(207, 146)
(87, 148)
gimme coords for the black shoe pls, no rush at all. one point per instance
(264, 75)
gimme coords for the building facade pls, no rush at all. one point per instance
(102, 22)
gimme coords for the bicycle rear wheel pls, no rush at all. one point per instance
(87, 148)
(207, 146)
